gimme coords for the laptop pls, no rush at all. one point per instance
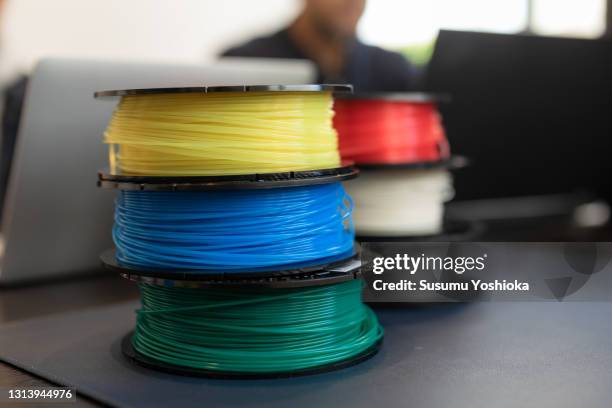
(532, 114)
(56, 222)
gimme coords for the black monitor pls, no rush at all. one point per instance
(534, 114)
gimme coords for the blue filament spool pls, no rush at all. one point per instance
(233, 231)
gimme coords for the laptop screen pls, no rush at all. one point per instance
(533, 114)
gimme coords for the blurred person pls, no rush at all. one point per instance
(325, 33)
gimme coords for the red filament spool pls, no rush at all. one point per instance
(390, 131)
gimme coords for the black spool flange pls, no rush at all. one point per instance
(316, 275)
(454, 162)
(335, 88)
(243, 181)
(147, 362)
(452, 231)
(413, 97)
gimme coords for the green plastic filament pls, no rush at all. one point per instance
(254, 330)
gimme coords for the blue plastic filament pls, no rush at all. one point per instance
(233, 230)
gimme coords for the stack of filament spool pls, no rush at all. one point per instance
(399, 144)
(232, 218)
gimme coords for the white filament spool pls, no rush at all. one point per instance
(400, 202)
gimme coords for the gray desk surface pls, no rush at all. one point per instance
(493, 355)
(20, 303)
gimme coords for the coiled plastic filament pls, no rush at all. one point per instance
(225, 133)
(234, 230)
(400, 202)
(389, 131)
(255, 330)
(249, 329)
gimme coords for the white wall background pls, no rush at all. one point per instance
(177, 31)
(396, 23)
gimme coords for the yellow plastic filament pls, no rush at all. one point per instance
(226, 133)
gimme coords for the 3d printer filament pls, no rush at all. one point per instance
(257, 330)
(388, 131)
(400, 202)
(234, 230)
(225, 133)
(244, 329)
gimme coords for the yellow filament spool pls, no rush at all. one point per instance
(226, 133)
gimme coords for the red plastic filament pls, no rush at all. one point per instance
(379, 131)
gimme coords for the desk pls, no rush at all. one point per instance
(495, 354)
(26, 302)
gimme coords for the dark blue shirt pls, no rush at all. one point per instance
(367, 68)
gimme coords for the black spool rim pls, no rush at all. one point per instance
(317, 275)
(335, 88)
(455, 162)
(147, 362)
(414, 97)
(244, 181)
(452, 231)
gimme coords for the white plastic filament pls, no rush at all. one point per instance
(400, 202)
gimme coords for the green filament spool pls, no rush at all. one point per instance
(255, 330)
